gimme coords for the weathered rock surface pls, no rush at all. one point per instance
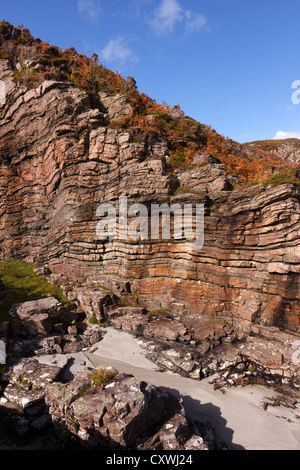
(98, 409)
(22, 405)
(123, 413)
(60, 159)
(94, 301)
(37, 317)
(195, 347)
(45, 326)
(286, 148)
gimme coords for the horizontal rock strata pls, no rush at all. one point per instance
(193, 346)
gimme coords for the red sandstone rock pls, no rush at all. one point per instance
(94, 301)
(166, 329)
(60, 160)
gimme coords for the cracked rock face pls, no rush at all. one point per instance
(123, 413)
(60, 158)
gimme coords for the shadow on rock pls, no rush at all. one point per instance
(210, 416)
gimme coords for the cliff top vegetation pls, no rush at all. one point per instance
(34, 61)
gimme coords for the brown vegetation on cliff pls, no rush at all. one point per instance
(35, 61)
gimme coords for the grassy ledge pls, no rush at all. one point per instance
(19, 283)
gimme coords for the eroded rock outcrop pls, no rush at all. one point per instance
(193, 346)
(60, 159)
(98, 409)
(45, 326)
(123, 413)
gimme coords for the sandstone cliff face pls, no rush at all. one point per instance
(61, 157)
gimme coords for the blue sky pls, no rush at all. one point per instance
(228, 63)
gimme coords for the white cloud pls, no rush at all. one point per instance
(286, 135)
(170, 13)
(117, 51)
(166, 16)
(91, 9)
(195, 22)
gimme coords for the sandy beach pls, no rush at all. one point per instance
(237, 415)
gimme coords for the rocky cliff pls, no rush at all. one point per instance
(64, 151)
(289, 149)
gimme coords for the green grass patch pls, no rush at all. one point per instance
(93, 320)
(23, 284)
(103, 377)
(182, 190)
(100, 286)
(157, 311)
(123, 303)
(287, 176)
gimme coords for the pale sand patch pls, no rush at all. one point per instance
(122, 347)
(237, 415)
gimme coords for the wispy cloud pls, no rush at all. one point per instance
(166, 16)
(195, 22)
(117, 52)
(286, 135)
(170, 13)
(91, 9)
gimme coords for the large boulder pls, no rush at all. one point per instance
(95, 301)
(22, 405)
(38, 317)
(118, 411)
(101, 408)
(167, 329)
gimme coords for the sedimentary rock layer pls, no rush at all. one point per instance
(61, 158)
